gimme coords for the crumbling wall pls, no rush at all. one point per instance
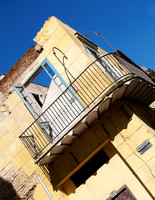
(16, 184)
(15, 76)
(17, 70)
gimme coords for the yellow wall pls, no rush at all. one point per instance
(12, 151)
(14, 156)
(111, 176)
(56, 34)
(126, 166)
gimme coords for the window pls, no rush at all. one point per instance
(90, 168)
(41, 88)
(48, 100)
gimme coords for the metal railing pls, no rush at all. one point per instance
(99, 78)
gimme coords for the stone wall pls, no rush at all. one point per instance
(15, 184)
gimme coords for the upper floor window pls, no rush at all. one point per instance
(49, 99)
(41, 89)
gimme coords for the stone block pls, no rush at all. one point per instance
(125, 150)
(28, 186)
(10, 122)
(19, 180)
(15, 132)
(118, 140)
(151, 165)
(9, 139)
(118, 119)
(21, 159)
(5, 142)
(125, 133)
(111, 129)
(19, 111)
(30, 167)
(65, 43)
(39, 192)
(13, 101)
(144, 173)
(72, 57)
(135, 162)
(26, 121)
(9, 169)
(151, 185)
(139, 136)
(78, 63)
(46, 197)
(7, 191)
(49, 27)
(5, 158)
(3, 129)
(2, 163)
(54, 38)
(134, 124)
(14, 149)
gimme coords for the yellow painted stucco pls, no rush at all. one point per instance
(126, 165)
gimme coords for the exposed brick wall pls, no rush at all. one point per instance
(17, 70)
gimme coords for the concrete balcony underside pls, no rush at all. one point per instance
(90, 95)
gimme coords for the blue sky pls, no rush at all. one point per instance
(128, 25)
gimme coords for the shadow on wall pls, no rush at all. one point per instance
(103, 129)
(7, 191)
(146, 114)
(106, 127)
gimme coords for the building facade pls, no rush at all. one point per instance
(76, 122)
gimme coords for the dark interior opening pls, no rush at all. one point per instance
(90, 168)
(37, 99)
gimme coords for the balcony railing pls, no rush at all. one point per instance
(98, 79)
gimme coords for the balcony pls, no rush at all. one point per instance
(101, 78)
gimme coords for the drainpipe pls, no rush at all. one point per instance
(47, 192)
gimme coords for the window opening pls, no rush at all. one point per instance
(40, 77)
(41, 89)
(90, 168)
(38, 99)
(38, 90)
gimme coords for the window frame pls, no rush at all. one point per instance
(29, 80)
(90, 50)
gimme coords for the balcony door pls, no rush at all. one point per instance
(104, 63)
